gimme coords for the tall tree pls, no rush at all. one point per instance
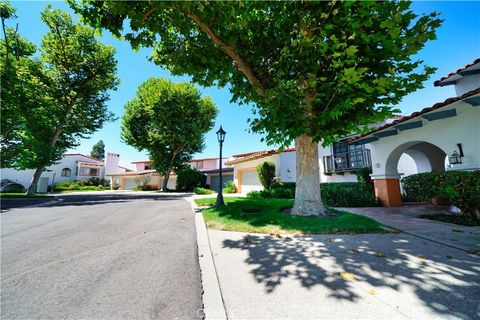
(98, 150)
(313, 70)
(169, 121)
(69, 90)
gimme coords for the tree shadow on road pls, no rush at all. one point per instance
(446, 281)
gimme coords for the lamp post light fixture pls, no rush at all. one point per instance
(220, 137)
(456, 157)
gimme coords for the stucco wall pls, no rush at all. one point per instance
(24, 177)
(275, 158)
(444, 133)
(466, 84)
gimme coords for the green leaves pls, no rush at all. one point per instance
(50, 103)
(312, 61)
(169, 121)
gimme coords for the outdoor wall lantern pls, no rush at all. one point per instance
(456, 157)
(221, 138)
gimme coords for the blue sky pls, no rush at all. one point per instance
(458, 43)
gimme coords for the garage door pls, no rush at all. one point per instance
(250, 181)
(214, 181)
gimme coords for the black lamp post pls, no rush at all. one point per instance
(220, 137)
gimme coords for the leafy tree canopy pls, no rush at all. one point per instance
(320, 69)
(54, 100)
(169, 120)
(98, 150)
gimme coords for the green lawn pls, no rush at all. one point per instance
(22, 195)
(264, 216)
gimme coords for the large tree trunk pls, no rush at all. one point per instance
(33, 185)
(307, 192)
(165, 180)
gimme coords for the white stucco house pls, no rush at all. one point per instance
(72, 167)
(211, 168)
(398, 147)
(144, 172)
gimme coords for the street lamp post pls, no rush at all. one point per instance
(220, 137)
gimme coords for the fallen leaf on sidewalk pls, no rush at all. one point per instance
(422, 257)
(473, 250)
(347, 275)
(248, 239)
(356, 250)
(329, 239)
(380, 254)
(449, 257)
(372, 292)
(457, 230)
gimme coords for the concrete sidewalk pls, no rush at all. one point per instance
(376, 276)
(407, 219)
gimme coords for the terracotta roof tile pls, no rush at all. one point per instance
(417, 113)
(439, 82)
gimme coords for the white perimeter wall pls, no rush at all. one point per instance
(24, 177)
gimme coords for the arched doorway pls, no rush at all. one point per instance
(408, 158)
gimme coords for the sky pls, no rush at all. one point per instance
(458, 43)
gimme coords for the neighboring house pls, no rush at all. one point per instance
(445, 136)
(398, 147)
(211, 168)
(72, 167)
(143, 174)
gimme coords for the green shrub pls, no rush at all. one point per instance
(280, 193)
(230, 187)
(266, 174)
(343, 194)
(363, 177)
(199, 190)
(460, 188)
(189, 178)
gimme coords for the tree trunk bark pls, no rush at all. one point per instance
(308, 201)
(33, 185)
(165, 180)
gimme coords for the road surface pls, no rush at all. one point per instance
(101, 256)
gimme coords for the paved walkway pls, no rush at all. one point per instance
(377, 276)
(406, 219)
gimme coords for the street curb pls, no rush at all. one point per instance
(213, 305)
(42, 204)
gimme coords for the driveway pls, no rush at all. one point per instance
(372, 276)
(407, 219)
(101, 256)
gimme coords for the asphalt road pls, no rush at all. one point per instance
(100, 256)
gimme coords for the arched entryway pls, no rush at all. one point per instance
(426, 157)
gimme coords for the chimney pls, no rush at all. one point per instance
(112, 161)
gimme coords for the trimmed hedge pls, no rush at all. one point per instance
(460, 188)
(344, 194)
(189, 178)
(266, 174)
(348, 194)
(199, 190)
(93, 184)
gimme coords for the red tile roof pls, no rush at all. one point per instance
(418, 113)
(272, 151)
(255, 155)
(79, 154)
(143, 161)
(132, 173)
(439, 82)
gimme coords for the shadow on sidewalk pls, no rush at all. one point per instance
(448, 285)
